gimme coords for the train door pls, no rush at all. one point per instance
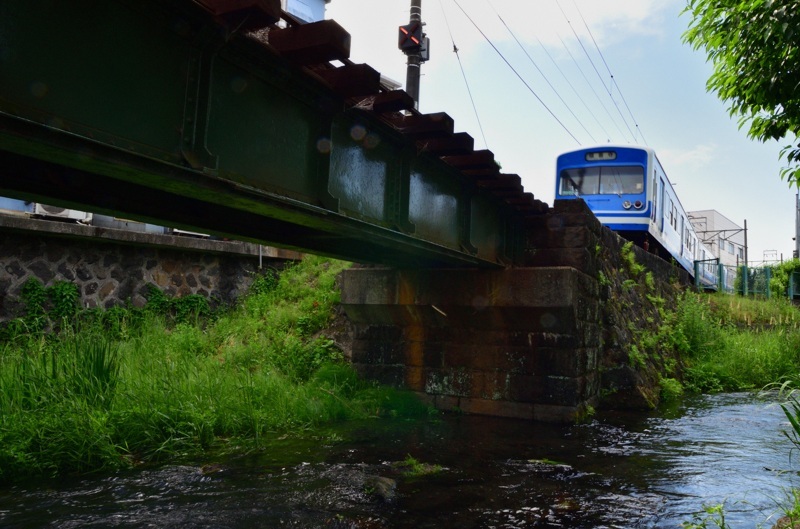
(663, 207)
(654, 198)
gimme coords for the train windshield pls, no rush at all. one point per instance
(602, 180)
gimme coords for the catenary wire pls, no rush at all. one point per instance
(611, 75)
(574, 90)
(517, 74)
(464, 75)
(580, 42)
(525, 51)
(591, 87)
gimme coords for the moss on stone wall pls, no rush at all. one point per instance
(640, 297)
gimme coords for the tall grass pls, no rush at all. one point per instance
(729, 343)
(143, 386)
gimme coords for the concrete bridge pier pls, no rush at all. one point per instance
(518, 342)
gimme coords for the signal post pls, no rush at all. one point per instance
(413, 42)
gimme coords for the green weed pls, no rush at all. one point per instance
(411, 467)
(723, 353)
(671, 389)
(173, 379)
(712, 516)
(634, 268)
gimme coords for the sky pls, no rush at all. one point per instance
(535, 78)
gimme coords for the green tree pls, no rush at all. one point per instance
(754, 46)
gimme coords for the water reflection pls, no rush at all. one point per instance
(620, 471)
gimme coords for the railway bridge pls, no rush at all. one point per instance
(229, 117)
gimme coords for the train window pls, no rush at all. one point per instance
(582, 181)
(670, 213)
(621, 180)
(682, 225)
(603, 180)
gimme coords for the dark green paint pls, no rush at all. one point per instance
(155, 110)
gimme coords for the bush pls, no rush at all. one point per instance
(779, 283)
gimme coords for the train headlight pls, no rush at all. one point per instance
(626, 204)
(638, 204)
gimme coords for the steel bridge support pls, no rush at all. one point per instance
(214, 115)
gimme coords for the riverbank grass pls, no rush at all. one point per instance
(730, 343)
(110, 389)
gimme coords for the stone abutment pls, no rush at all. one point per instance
(546, 341)
(113, 267)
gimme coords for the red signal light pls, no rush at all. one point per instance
(410, 36)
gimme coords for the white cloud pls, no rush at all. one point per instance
(698, 157)
(374, 23)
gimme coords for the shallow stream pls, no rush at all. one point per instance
(636, 470)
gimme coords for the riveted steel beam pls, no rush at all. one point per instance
(167, 109)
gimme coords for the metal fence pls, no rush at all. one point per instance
(743, 280)
(754, 281)
(794, 286)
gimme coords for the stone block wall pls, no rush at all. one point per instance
(570, 235)
(114, 267)
(542, 341)
(521, 342)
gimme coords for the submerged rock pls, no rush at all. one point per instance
(381, 487)
(787, 522)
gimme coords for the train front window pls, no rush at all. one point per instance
(582, 181)
(602, 180)
(621, 180)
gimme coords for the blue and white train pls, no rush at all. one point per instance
(627, 189)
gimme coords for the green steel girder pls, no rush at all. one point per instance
(156, 110)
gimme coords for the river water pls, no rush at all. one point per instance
(636, 470)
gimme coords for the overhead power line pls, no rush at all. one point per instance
(531, 90)
(525, 51)
(611, 75)
(463, 74)
(580, 42)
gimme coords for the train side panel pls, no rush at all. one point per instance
(628, 190)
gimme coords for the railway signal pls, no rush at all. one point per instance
(410, 37)
(415, 45)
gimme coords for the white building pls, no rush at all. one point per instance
(725, 238)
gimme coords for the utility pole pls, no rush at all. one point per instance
(746, 262)
(797, 226)
(413, 42)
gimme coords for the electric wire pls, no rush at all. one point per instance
(525, 51)
(517, 74)
(464, 75)
(575, 33)
(574, 90)
(591, 87)
(611, 75)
